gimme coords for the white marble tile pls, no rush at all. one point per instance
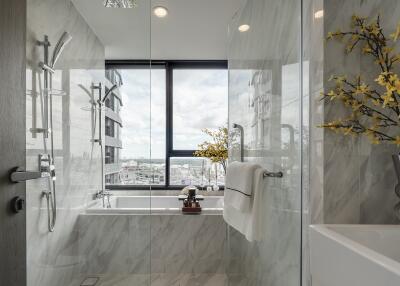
(144, 244)
(355, 188)
(188, 244)
(53, 258)
(184, 279)
(351, 181)
(265, 98)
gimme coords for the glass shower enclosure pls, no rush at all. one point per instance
(265, 99)
(141, 239)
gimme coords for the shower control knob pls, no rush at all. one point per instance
(17, 204)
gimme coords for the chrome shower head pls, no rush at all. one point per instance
(120, 3)
(109, 92)
(62, 42)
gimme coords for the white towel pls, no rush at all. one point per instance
(239, 185)
(249, 222)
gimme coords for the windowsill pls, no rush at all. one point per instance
(122, 192)
(153, 188)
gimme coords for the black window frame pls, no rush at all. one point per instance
(169, 66)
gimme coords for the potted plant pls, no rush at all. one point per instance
(215, 149)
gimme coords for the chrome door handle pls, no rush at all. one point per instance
(18, 175)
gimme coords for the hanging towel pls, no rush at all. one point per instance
(249, 223)
(239, 185)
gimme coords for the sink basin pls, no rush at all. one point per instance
(355, 255)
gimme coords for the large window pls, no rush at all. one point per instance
(166, 104)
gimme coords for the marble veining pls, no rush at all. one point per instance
(156, 244)
(265, 98)
(53, 258)
(264, 94)
(351, 181)
(365, 191)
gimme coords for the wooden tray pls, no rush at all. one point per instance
(191, 210)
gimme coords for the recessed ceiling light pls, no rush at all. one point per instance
(244, 28)
(319, 14)
(160, 11)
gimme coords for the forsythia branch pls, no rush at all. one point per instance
(375, 111)
(217, 149)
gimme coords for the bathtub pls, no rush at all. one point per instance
(153, 205)
(130, 239)
(366, 255)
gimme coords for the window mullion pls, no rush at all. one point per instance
(169, 121)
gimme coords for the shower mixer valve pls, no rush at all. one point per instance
(46, 169)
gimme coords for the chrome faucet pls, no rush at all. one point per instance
(102, 194)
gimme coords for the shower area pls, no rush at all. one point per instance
(82, 232)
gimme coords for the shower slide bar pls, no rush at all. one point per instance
(241, 131)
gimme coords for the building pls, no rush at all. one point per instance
(113, 125)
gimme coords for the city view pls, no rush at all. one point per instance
(132, 132)
(183, 171)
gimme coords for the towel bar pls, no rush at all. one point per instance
(266, 174)
(273, 175)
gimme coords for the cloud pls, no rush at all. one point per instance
(200, 101)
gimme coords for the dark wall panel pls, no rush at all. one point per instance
(12, 140)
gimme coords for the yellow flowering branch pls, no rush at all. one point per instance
(375, 108)
(217, 149)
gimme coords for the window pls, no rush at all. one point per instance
(109, 155)
(110, 101)
(165, 107)
(110, 127)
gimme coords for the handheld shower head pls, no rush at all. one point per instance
(62, 42)
(109, 92)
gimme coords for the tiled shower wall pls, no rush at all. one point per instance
(357, 181)
(351, 180)
(264, 97)
(53, 257)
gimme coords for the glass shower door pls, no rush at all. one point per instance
(265, 99)
(92, 243)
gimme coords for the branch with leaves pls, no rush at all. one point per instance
(217, 149)
(375, 108)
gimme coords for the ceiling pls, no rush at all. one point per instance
(193, 29)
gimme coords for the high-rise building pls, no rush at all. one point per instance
(113, 125)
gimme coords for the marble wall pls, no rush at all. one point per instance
(53, 257)
(344, 179)
(351, 180)
(365, 191)
(174, 249)
(265, 98)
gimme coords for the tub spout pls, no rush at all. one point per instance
(102, 194)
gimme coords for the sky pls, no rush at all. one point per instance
(200, 101)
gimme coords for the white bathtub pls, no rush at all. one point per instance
(355, 255)
(153, 204)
